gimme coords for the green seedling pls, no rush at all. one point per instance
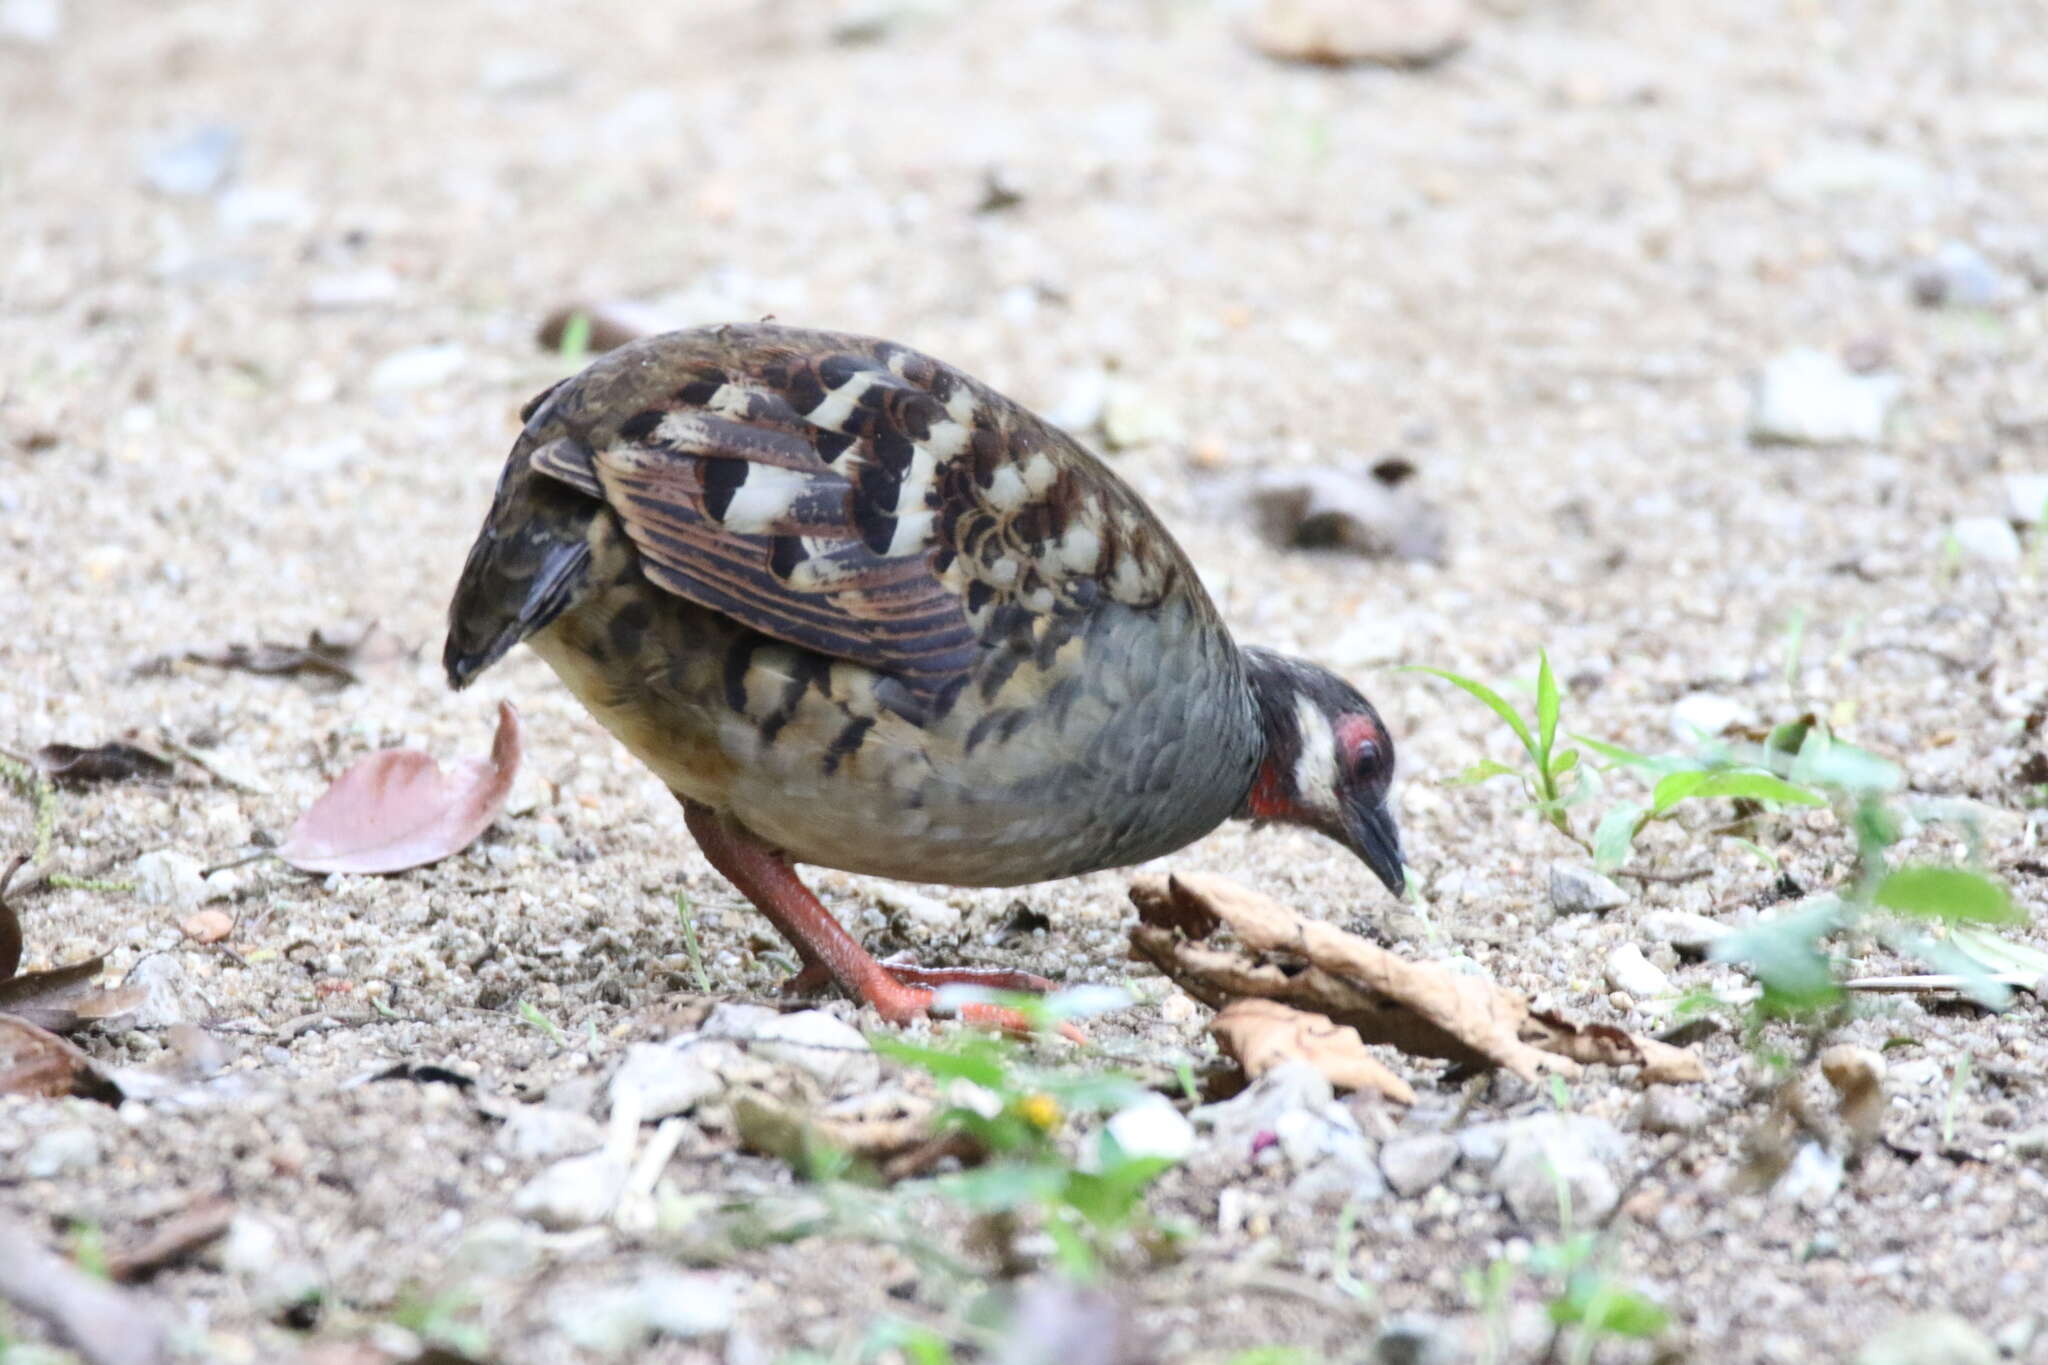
(530, 1014)
(1553, 779)
(1018, 1114)
(575, 347)
(688, 919)
(445, 1320)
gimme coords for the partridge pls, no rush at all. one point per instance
(859, 610)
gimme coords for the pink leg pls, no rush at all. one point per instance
(765, 877)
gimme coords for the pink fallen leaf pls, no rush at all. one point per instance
(396, 809)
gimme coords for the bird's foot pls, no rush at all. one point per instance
(915, 991)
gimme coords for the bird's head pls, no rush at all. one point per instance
(1328, 763)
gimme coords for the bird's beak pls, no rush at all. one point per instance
(1373, 836)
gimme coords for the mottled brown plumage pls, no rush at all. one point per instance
(857, 609)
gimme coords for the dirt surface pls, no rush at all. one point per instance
(1545, 272)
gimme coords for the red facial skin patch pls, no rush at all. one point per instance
(1352, 731)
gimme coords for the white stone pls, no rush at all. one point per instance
(1686, 932)
(1152, 1127)
(245, 208)
(61, 1151)
(263, 1254)
(930, 915)
(1559, 1157)
(1628, 970)
(1576, 890)
(542, 1132)
(829, 1049)
(574, 1192)
(2026, 497)
(168, 877)
(665, 1079)
(1808, 397)
(1812, 1179)
(613, 1319)
(1929, 1339)
(1417, 1163)
(418, 367)
(1989, 540)
(37, 23)
(363, 288)
(1698, 714)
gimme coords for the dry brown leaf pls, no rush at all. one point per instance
(207, 926)
(64, 999)
(1857, 1074)
(898, 1134)
(396, 809)
(320, 656)
(1420, 1007)
(73, 766)
(1604, 1044)
(184, 1232)
(37, 1063)
(1263, 1034)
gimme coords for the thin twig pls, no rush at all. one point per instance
(1644, 874)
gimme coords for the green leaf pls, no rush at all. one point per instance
(1952, 895)
(1004, 1185)
(1784, 955)
(1564, 762)
(1493, 701)
(980, 1060)
(1106, 1198)
(1547, 705)
(1628, 758)
(575, 346)
(1824, 761)
(1482, 771)
(1615, 835)
(1997, 954)
(1740, 783)
(1598, 1307)
(1671, 790)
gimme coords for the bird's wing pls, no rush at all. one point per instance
(853, 497)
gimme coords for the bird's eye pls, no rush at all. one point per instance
(1365, 758)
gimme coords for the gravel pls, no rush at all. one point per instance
(262, 383)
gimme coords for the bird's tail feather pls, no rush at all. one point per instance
(526, 567)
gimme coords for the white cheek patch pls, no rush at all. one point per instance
(1315, 767)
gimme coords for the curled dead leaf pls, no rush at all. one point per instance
(1423, 1008)
(397, 809)
(1857, 1075)
(37, 1063)
(1263, 1034)
(73, 766)
(1604, 1044)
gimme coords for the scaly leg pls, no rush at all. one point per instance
(765, 877)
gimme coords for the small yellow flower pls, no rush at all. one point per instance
(1041, 1111)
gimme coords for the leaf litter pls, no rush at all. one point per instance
(1334, 987)
(397, 809)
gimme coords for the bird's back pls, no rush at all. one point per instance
(885, 617)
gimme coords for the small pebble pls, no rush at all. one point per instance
(1576, 890)
(1988, 540)
(1808, 397)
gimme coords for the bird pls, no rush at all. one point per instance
(858, 610)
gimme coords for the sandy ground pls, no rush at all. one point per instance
(1545, 272)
